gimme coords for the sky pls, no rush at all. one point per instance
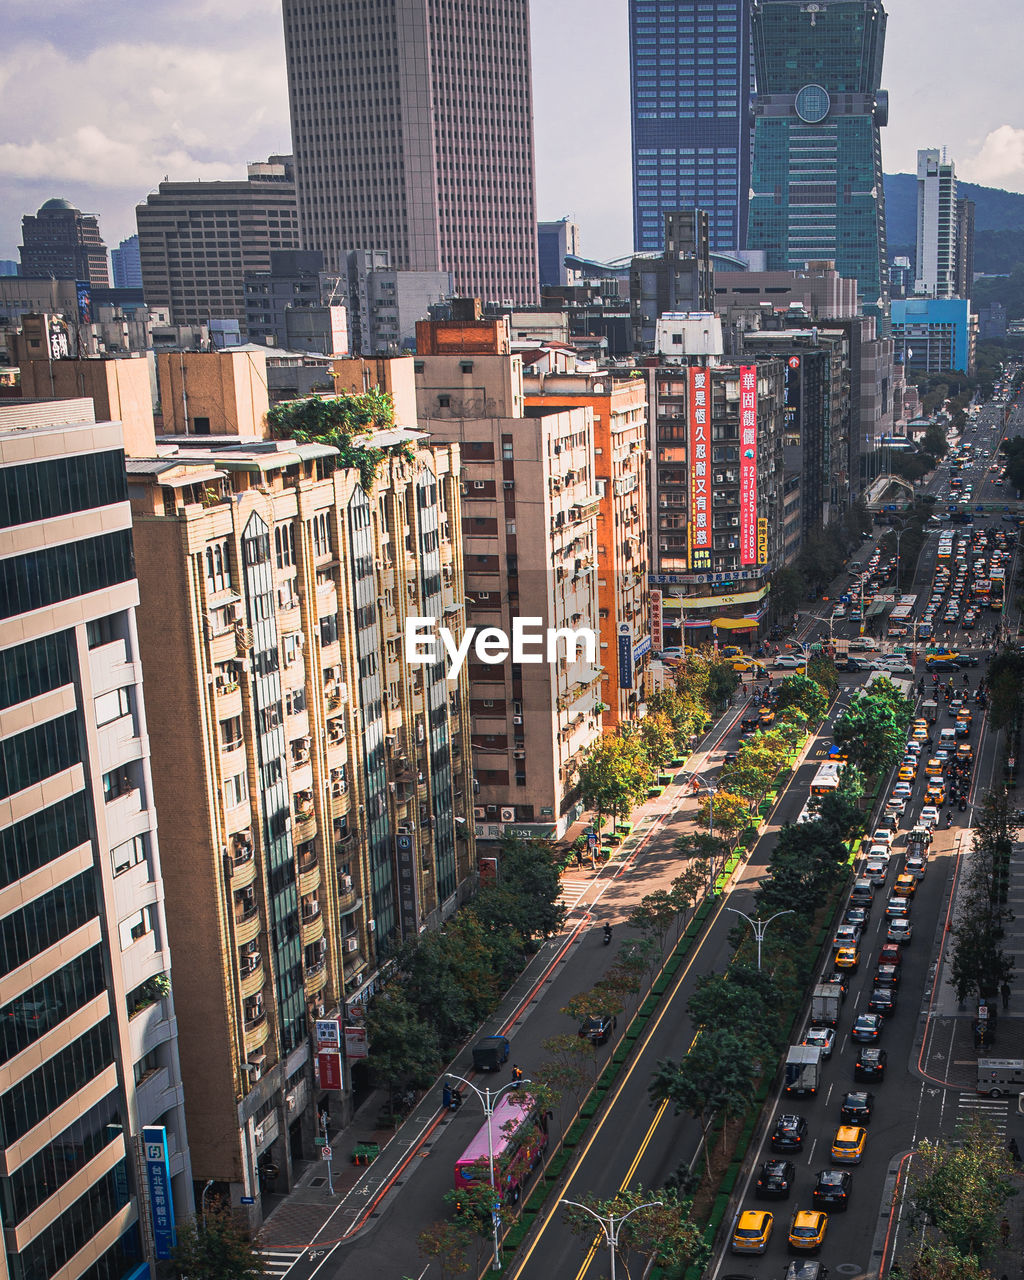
(99, 102)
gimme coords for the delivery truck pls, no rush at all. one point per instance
(825, 1000)
(997, 1076)
(803, 1069)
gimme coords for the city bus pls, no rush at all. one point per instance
(901, 618)
(996, 592)
(826, 780)
(981, 591)
(519, 1137)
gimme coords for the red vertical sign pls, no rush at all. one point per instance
(748, 464)
(700, 473)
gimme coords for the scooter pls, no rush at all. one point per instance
(949, 819)
(963, 804)
(607, 934)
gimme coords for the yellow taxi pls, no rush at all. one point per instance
(766, 715)
(732, 651)
(933, 768)
(807, 1230)
(907, 773)
(964, 751)
(848, 1145)
(936, 793)
(942, 655)
(752, 1232)
(905, 886)
(847, 958)
(919, 733)
(744, 664)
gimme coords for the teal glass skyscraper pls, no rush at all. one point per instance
(690, 90)
(817, 166)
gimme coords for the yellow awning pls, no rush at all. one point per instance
(713, 602)
(734, 624)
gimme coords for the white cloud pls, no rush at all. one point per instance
(999, 162)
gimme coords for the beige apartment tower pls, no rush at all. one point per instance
(530, 510)
(314, 790)
(95, 1167)
(412, 128)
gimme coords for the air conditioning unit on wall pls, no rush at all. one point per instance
(508, 815)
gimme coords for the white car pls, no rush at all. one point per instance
(893, 666)
(882, 836)
(879, 853)
(789, 661)
(929, 816)
(875, 870)
(902, 789)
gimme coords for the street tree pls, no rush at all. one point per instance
(720, 1001)
(943, 1262)
(684, 711)
(979, 963)
(215, 1246)
(961, 1186)
(404, 1047)
(716, 1075)
(804, 694)
(524, 897)
(654, 914)
(870, 734)
(823, 672)
(614, 776)
(692, 883)
(567, 1070)
(446, 1244)
(731, 813)
(663, 1234)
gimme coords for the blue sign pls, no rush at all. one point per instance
(247, 1199)
(641, 647)
(844, 599)
(158, 1175)
(625, 656)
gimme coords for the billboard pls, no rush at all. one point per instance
(748, 464)
(657, 628)
(700, 469)
(762, 541)
(625, 636)
(158, 1177)
(356, 1044)
(328, 1064)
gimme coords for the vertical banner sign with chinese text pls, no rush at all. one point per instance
(657, 631)
(700, 473)
(748, 464)
(158, 1176)
(762, 540)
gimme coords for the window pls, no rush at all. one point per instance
(48, 1003)
(236, 790)
(50, 1085)
(135, 927)
(32, 843)
(61, 486)
(329, 629)
(112, 706)
(101, 631)
(38, 753)
(62, 572)
(231, 733)
(125, 856)
(218, 567)
(46, 920)
(27, 670)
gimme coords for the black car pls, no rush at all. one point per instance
(832, 1190)
(776, 1179)
(729, 757)
(870, 1064)
(789, 1134)
(851, 664)
(887, 975)
(967, 659)
(867, 1028)
(839, 978)
(883, 1001)
(597, 1027)
(857, 1107)
(944, 664)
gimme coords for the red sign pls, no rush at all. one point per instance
(657, 632)
(329, 1069)
(356, 1045)
(748, 464)
(700, 469)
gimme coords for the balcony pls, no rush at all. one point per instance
(312, 928)
(252, 977)
(255, 1033)
(315, 979)
(247, 924)
(243, 868)
(348, 900)
(309, 876)
(354, 962)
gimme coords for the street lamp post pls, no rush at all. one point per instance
(487, 1100)
(698, 783)
(202, 1200)
(760, 927)
(612, 1226)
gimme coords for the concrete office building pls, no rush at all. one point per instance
(295, 305)
(680, 278)
(817, 187)
(816, 288)
(619, 407)
(695, 444)
(936, 225)
(690, 90)
(964, 286)
(315, 791)
(198, 239)
(127, 264)
(384, 304)
(89, 1058)
(555, 241)
(412, 125)
(63, 243)
(531, 505)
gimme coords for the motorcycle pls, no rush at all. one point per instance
(963, 804)
(607, 934)
(949, 819)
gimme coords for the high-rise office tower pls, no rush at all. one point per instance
(817, 170)
(198, 239)
(95, 1158)
(690, 111)
(964, 248)
(62, 242)
(412, 126)
(127, 264)
(936, 225)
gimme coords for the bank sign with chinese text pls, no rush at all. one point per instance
(748, 464)
(700, 474)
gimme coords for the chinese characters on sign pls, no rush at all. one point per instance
(700, 474)
(748, 464)
(158, 1175)
(762, 540)
(625, 656)
(657, 633)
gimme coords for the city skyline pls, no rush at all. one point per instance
(188, 114)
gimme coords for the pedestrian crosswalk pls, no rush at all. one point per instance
(572, 892)
(278, 1262)
(993, 1112)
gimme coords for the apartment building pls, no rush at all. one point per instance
(619, 408)
(95, 1170)
(198, 239)
(530, 510)
(717, 492)
(314, 790)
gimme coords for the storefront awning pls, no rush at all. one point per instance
(713, 602)
(735, 624)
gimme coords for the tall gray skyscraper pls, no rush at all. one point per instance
(412, 128)
(817, 168)
(936, 225)
(690, 112)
